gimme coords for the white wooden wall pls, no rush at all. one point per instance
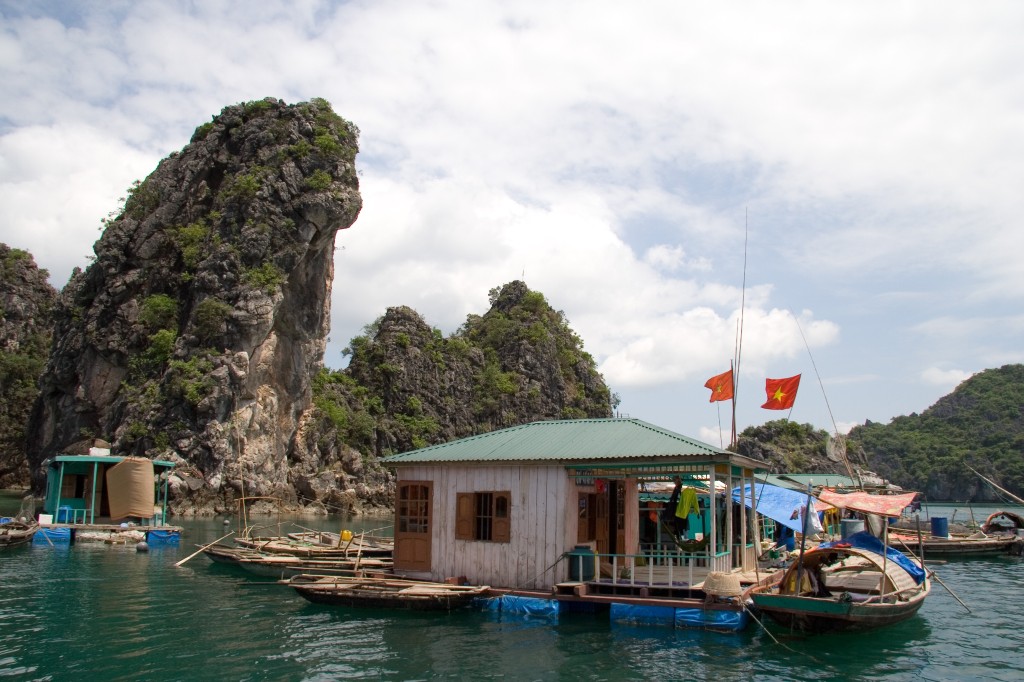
(542, 524)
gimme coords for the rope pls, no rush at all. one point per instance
(775, 639)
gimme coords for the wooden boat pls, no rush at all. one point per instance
(384, 593)
(369, 544)
(844, 587)
(284, 565)
(1003, 522)
(293, 547)
(14, 533)
(976, 544)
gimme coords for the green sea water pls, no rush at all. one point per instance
(97, 612)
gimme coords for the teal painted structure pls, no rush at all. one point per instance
(72, 493)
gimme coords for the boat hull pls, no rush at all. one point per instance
(15, 534)
(816, 614)
(378, 593)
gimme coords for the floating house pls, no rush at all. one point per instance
(101, 496)
(558, 516)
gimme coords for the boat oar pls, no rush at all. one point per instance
(203, 548)
(937, 578)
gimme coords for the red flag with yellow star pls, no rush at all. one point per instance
(721, 386)
(781, 392)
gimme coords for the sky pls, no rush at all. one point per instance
(839, 185)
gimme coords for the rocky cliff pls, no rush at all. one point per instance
(26, 303)
(408, 386)
(519, 362)
(196, 332)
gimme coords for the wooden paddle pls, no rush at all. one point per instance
(204, 547)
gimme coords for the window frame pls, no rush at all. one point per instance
(483, 516)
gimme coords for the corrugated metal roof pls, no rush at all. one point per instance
(574, 440)
(800, 481)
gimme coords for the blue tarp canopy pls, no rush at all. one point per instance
(867, 541)
(778, 504)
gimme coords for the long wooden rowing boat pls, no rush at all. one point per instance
(839, 588)
(977, 544)
(285, 565)
(287, 545)
(384, 593)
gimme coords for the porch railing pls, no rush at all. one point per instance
(660, 568)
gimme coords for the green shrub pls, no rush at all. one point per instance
(142, 200)
(319, 180)
(159, 311)
(210, 316)
(192, 241)
(267, 277)
(161, 345)
(189, 379)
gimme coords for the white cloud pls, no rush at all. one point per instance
(945, 378)
(610, 157)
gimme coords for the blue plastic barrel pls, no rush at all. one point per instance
(64, 515)
(790, 542)
(940, 526)
(581, 563)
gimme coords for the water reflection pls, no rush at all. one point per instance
(101, 612)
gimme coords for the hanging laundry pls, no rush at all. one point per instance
(687, 503)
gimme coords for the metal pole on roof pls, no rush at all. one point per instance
(803, 540)
(92, 495)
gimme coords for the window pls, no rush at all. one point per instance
(414, 508)
(483, 516)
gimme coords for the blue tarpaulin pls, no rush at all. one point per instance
(778, 504)
(867, 541)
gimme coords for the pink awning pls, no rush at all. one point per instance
(883, 505)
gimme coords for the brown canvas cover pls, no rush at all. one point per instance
(130, 488)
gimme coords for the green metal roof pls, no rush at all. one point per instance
(800, 481)
(570, 441)
(101, 459)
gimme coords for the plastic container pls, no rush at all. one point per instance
(346, 535)
(64, 515)
(851, 526)
(163, 537)
(581, 563)
(790, 542)
(940, 526)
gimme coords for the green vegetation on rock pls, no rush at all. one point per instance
(980, 424)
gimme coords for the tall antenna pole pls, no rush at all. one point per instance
(739, 334)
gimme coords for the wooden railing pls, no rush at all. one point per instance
(660, 568)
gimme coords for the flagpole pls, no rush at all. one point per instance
(739, 334)
(732, 438)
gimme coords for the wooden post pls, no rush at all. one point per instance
(803, 541)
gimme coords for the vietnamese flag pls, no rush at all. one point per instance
(781, 392)
(721, 386)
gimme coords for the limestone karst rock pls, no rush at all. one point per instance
(26, 302)
(196, 331)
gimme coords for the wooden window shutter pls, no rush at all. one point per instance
(502, 529)
(464, 515)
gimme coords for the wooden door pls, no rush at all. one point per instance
(602, 519)
(617, 491)
(412, 526)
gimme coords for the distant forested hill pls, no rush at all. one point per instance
(981, 424)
